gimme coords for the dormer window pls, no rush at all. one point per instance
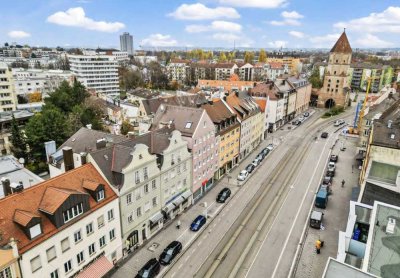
(73, 212)
(35, 231)
(100, 195)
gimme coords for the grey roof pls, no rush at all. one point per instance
(84, 140)
(378, 109)
(143, 93)
(6, 116)
(151, 105)
(335, 269)
(374, 193)
(10, 168)
(384, 135)
(179, 116)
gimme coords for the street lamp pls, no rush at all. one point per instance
(205, 206)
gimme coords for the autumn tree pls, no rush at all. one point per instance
(126, 127)
(222, 57)
(262, 57)
(249, 57)
(35, 97)
(315, 79)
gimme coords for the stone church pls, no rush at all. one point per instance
(336, 89)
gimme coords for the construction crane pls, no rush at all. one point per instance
(361, 110)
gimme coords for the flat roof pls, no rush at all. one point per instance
(384, 247)
(336, 269)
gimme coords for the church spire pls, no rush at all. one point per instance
(342, 45)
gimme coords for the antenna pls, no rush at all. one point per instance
(234, 45)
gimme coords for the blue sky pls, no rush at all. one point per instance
(202, 23)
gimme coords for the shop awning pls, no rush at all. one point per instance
(169, 207)
(179, 200)
(98, 268)
(186, 195)
(156, 217)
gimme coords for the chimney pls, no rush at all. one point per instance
(17, 187)
(68, 158)
(131, 134)
(83, 158)
(389, 124)
(210, 102)
(6, 186)
(198, 105)
(237, 93)
(101, 143)
(13, 244)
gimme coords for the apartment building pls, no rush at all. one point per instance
(9, 267)
(7, 95)
(225, 85)
(303, 93)
(274, 70)
(223, 71)
(66, 226)
(292, 63)
(227, 130)
(152, 177)
(126, 43)
(97, 72)
(246, 72)
(251, 121)
(177, 69)
(198, 130)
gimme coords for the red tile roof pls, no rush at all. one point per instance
(262, 103)
(342, 45)
(23, 206)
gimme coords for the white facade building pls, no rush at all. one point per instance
(7, 95)
(96, 72)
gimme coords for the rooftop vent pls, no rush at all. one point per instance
(391, 225)
(392, 136)
(389, 124)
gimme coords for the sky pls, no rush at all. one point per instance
(201, 23)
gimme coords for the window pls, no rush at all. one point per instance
(145, 174)
(35, 231)
(73, 212)
(112, 234)
(68, 266)
(138, 193)
(146, 188)
(100, 221)
(102, 241)
(130, 218)
(147, 206)
(204, 124)
(184, 182)
(153, 184)
(51, 254)
(79, 257)
(154, 201)
(100, 195)
(6, 273)
(184, 166)
(65, 244)
(178, 169)
(35, 264)
(137, 178)
(77, 236)
(129, 198)
(139, 212)
(110, 214)
(172, 159)
(89, 228)
(54, 274)
(92, 249)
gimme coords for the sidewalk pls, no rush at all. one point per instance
(335, 215)
(155, 245)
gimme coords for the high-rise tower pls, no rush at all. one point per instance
(335, 90)
(126, 43)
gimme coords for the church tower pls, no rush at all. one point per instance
(335, 90)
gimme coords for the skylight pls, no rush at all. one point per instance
(188, 125)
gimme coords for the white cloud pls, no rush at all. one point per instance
(324, 41)
(289, 18)
(159, 40)
(277, 44)
(199, 11)
(215, 26)
(292, 15)
(17, 34)
(265, 4)
(371, 41)
(75, 17)
(387, 21)
(297, 34)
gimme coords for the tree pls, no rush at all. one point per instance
(50, 124)
(125, 127)
(222, 57)
(130, 79)
(231, 56)
(249, 57)
(315, 80)
(35, 97)
(158, 79)
(262, 57)
(19, 147)
(66, 97)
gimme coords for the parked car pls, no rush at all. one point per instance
(334, 158)
(321, 200)
(324, 135)
(197, 223)
(327, 188)
(223, 195)
(270, 147)
(265, 151)
(250, 168)
(306, 114)
(330, 173)
(296, 122)
(170, 252)
(243, 175)
(331, 166)
(301, 119)
(150, 269)
(256, 162)
(339, 122)
(260, 157)
(316, 219)
(327, 180)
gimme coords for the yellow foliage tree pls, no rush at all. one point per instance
(263, 56)
(35, 97)
(222, 57)
(249, 57)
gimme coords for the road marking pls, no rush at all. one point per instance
(184, 232)
(194, 249)
(180, 266)
(173, 274)
(297, 214)
(187, 258)
(198, 244)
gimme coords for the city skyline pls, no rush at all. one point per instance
(203, 23)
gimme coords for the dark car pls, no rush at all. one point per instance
(170, 252)
(250, 168)
(198, 223)
(265, 151)
(306, 114)
(334, 158)
(150, 269)
(324, 135)
(296, 122)
(223, 195)
(330, 173)
(260, 157)
(327, 180)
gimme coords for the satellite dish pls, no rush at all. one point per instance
(21, 160)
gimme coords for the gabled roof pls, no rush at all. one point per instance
(25, 205)
(262, 103)
(218, 111)
(151, 105)
(54, 197)
(244, 106)
(342, 45)
(224, 65)
(90, 185)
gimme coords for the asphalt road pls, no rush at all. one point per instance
(257, 232)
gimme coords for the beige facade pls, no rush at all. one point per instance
(7, 94)
(9, 267)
